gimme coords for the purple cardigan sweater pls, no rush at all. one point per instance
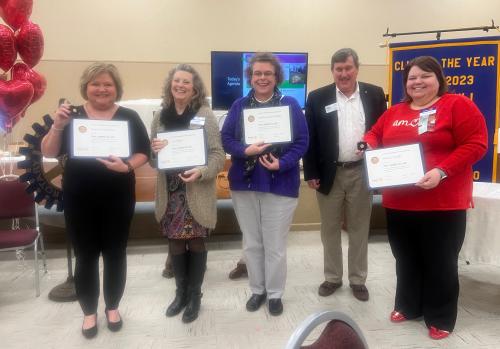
(283, 182)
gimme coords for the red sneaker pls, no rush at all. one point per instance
(396, 316)
(436, 333)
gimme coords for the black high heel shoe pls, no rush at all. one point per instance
(90, 332)
(114, 326)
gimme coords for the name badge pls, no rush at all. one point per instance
(427, 121)
(197, 122)
(331, 108)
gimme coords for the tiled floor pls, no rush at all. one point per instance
(29, 322)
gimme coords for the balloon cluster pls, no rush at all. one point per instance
(19, 36)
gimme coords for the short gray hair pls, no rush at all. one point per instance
(265, 57)
(343, 54)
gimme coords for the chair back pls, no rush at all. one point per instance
(341, 332)
(337, 335)
(15, 202)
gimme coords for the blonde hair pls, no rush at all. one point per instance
(98, 68)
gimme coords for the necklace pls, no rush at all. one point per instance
(263, 102)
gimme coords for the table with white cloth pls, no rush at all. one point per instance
(482, 237)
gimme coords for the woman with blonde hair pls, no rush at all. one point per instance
(98, 194)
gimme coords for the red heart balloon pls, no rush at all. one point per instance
(17, 12)
(15, 96)
(21, 71)
(8, 51)
(29, 41)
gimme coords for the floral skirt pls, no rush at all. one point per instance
(178, 222)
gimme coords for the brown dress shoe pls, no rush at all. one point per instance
(360, 292)
(239, 271)
(327, 288)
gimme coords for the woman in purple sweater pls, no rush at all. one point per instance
(264, 181)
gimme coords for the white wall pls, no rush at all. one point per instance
(146, 37)
(187, 30)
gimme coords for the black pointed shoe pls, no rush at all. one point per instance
(255, 301)
(90, 332)
(114, 326)
(275, 306)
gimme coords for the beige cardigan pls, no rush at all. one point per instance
(201, 194)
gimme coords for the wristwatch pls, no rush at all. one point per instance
(441, 173)
(130, 168)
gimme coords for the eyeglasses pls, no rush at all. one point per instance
(260, 74)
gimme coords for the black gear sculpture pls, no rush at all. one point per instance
(39, 180)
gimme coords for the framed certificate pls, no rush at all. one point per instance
(268, 125)
(99, 138)
(394, 166)
(183, 149)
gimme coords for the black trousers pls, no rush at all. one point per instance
(426, 247)
(98, 222)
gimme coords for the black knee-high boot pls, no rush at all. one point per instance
(197, 266)
(179, 264)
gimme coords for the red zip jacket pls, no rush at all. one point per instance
(458, 139)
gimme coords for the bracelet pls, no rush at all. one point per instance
(56, 129)
(129, 166)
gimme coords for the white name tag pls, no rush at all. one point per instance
(197, 122)
(331, 107)
(426, 121)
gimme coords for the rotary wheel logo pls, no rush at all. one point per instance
(43, 179)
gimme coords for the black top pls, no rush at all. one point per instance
(174, 121)
(81, 173)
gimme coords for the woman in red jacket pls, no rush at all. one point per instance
(426, 222)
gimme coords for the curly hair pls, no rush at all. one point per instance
(199, 97)
(96, 69)
(265, 57)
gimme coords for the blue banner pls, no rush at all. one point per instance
(471, 69)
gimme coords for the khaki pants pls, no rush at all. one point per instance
(265, 220)
(351, 200)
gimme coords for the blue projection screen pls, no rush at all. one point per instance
(229, 82)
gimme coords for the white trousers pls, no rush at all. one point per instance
(265, 220)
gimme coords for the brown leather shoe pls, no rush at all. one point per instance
(360, 292)
(239, 271)
(327, 288)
